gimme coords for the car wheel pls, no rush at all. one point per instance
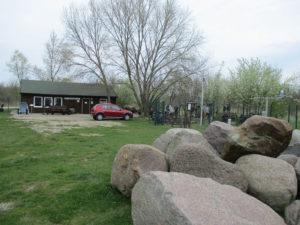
(99, 117)
(126, 117)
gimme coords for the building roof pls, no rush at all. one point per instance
(64, 88)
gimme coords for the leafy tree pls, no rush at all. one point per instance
(252, 81)
(125, 94)
(9, 93)
(215, 90)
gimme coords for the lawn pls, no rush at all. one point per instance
(64, 178)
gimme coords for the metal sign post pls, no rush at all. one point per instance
(201, 107)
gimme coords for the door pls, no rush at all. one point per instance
(116, 111)
(85, 105)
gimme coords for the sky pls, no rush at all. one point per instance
(267, 29)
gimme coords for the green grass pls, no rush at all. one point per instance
(64, 178)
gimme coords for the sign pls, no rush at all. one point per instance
(76, 99)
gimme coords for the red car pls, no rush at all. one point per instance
(108, 110)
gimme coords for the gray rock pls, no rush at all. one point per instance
(291, 159)
(218, 135)
(131, 162)
(161, 198)
(295, 138)
(271, 180)
(200, 161)
(297, 169)
(292, 213)
(183, 137)
(164, 140)
(293, 150)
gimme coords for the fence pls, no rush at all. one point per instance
(287, 110)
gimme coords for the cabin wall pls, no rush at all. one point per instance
(79, 103)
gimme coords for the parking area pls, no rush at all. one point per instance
(56, 123)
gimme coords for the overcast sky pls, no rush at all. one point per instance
(268, 29)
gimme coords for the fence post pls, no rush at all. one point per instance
(289, 112)
(296, 119)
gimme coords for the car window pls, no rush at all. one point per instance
(104, 106)
(115, 107)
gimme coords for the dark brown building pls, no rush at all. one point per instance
(80, 96)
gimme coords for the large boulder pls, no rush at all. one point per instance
(163, 141)
(161, 198)
(295, 138)
(131, 162)
(271, 180)
(257, 135)
(297, 169)
(200, 161)
(218, 135)
(270, 137)
(169, 141)
(293, 150)
(292, 213)
(291, 159)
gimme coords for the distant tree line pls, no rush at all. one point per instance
(9, 94)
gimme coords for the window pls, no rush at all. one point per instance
(115, 107)
(48, 101)
(104, 106)
(38, 102)
(58, 101)
(103, 100)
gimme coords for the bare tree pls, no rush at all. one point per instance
(19, 65)
(155, 41)
(87, 33)
(148, 41)
(57, 60)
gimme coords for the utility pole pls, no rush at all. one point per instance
(202, 95)
(267, 106)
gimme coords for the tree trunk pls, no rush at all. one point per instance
(145, 108)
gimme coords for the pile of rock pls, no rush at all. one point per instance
(228, 175)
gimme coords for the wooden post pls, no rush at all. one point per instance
(8, 104)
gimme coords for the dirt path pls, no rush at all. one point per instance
(57, 123)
